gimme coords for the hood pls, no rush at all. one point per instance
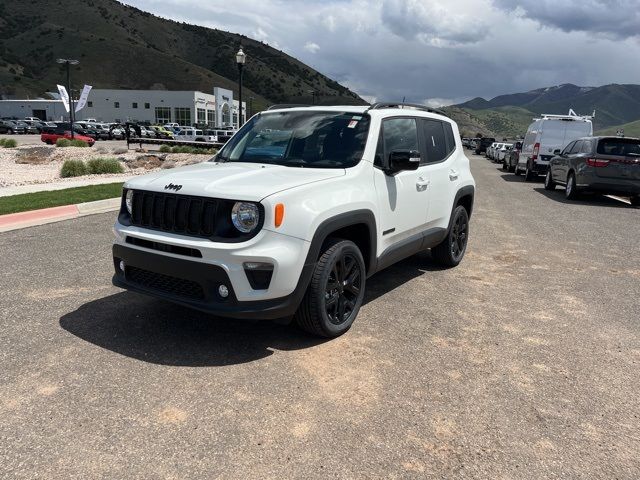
(234, 181)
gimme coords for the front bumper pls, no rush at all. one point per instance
(194, 281)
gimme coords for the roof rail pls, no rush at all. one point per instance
(287, 105)
(414, 106)
(570, 116)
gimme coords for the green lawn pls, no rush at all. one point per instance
(56, 198)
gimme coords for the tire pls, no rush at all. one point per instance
(549, 184)
(504, 166)
(571, 192)
(635, 201)
(516, 170)
(528, 176)
(49, 142)
(330, 306)
(511, 168)
(450, 252)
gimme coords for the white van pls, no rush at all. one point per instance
(547, 134)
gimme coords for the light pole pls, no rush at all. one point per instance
(313, 96)
(68, 62)
(241, 58)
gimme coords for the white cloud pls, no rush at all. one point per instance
(312, 47)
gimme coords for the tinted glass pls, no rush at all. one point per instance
(400, 134)
(436, 143)
(568, 148)
(300, 139)
(451, 141)
(576, 147)
(586, 146)
(619, 146)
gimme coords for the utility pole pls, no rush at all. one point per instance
(241, 58)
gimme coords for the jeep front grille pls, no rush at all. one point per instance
(174, 213)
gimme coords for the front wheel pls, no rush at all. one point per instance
(549, 184)
(336, 291)
(450, 251)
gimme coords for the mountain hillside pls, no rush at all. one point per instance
(614, 104)
(122, 47)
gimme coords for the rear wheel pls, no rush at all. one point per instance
(571, 192)
(549, 184)
(528, 174)
(504, 165)
(336, 291)
(516, 170)
(450, 251)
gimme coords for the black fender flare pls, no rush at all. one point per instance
(463, 192)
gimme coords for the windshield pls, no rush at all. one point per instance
(300, 139)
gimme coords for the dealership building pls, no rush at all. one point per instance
(149, 106)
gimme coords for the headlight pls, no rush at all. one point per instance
(128, 201)
(245, 216)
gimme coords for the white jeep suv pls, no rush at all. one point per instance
(296, 211)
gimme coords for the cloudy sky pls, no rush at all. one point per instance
(437, 51)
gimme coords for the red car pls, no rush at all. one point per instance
(51, 136)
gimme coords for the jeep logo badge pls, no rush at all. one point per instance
(173, 187)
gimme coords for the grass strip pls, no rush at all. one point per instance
(56, 198)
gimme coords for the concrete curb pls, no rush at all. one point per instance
(15, 221)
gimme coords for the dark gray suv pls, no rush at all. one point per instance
(608, 165)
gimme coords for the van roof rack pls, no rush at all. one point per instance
(572, 115)
(414, 106)
(280, 106)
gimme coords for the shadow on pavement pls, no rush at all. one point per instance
(585, 199)
(160, 332)
(512, 177)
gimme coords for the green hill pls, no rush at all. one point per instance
(631, 129)
(614, 104)
(122, 47)
(500, 122)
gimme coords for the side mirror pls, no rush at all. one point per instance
(400, 160)
(557, 151)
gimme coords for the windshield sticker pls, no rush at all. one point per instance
(352, 124)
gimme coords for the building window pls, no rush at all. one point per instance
(211, 118)
(182, 115)
(89, 104)
(147, 106)
(235, 119)
(134, 105)
(116, 104)
(163, 115)
(226, 115)
(202, 116)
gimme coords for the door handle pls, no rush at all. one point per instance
(422, 184)
(453, 175)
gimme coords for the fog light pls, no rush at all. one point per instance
(223, 291)
(121, 265)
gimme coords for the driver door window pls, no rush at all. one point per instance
(396, 134)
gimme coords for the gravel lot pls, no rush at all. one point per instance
(33, 162)
(523, 362)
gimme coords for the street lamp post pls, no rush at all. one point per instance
(241, 58)
(68, 63)
(313, 96)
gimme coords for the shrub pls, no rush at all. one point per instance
(9, 143)
(73, 168)
(78, 143)
(2, 140)
(104, 165)
(63, 142)
(165, 149)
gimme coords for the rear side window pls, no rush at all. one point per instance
(435, 140)
(587, 146)
(451, 140)
(619, 146)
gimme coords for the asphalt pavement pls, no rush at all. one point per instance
(522, 363)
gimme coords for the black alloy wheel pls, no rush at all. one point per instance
(342, 289)
(336, 290)
(450, 252)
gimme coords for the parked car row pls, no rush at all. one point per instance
(564, 150)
